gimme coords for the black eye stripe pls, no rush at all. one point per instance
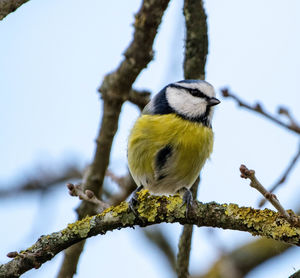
(193, 92)
(197, 93)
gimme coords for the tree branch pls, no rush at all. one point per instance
(293, 219)
(284, 176)
(43, 179)
(153, 210)
(258, 109)
(158, 237)
(295, 275)
(116, 86)
(9, 6)
(115, 90)
(139, 98)
(185, 242)
(87, 195)
(196, 44)
(245, 258)
(196, 49)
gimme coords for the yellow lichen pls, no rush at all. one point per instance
(266, 222)
(174, 202)
(81, 227)
(115, 211)
(148, 205)
(120, 212)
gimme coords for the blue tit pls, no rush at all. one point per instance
(170, 142)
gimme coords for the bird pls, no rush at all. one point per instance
(171, 140)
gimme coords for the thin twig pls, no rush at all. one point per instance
(285, 111)
(250, 174)
(284, 176)
(87, 195)
(258, 109)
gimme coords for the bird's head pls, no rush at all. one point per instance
(190, 99)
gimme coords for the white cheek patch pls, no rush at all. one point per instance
(184, 103)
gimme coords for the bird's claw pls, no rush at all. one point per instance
(133, 202)
(187, 200)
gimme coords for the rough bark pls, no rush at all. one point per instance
(153, 210)
(196, 49)
(116, 88)
(196, 44)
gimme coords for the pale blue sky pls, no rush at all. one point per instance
(54, 55)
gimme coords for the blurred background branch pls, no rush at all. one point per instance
(115, 90)
(196, 49)
(244, 259)
(284, 176)
(43, 179)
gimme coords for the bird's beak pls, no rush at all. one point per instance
(213, 101)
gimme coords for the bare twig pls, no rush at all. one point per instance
(285, 111)
(153, 210)
(258, 109)
(284, 176)
(87, 195)
(250, 174)
(71, 255)
(139, 98)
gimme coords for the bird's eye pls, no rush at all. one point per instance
(197, 93)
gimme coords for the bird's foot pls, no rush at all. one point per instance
(134, 200)
(187, 198)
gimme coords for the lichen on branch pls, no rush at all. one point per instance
(153, 210)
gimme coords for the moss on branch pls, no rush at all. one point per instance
(154, 210)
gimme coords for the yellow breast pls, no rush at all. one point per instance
(192, 143)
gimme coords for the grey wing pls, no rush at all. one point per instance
(166, 179)
(162, 162)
